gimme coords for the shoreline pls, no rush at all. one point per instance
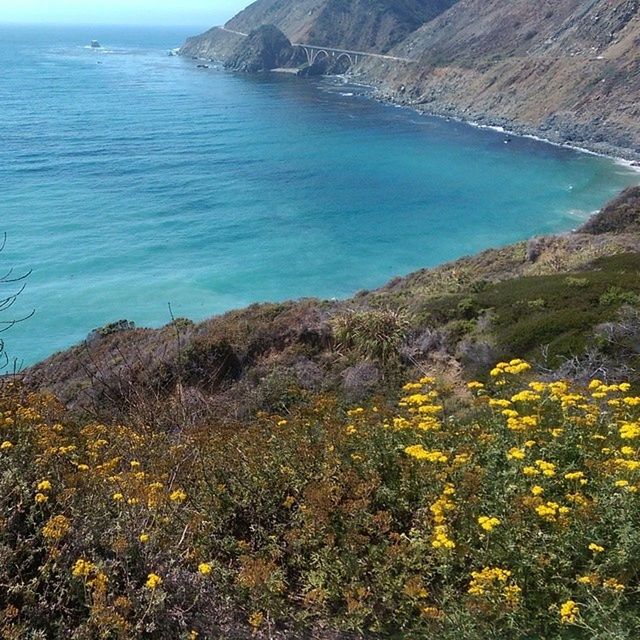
(619, 155)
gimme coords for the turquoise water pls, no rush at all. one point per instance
(143, 181)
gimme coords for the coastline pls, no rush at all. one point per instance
(621, 156)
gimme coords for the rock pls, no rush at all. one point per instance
(621, 215)
(359, 380)
(318, 68)
(535, 248)
(264, 49)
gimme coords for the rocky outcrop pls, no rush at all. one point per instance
(264, 49)
(215, 44)
(622, 215)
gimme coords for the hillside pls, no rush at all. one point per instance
(358, 24)
(568, 303)
(567, 70)
(332, 471)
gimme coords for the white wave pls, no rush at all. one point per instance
(581, 214)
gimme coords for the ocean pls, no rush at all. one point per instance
(136, 185)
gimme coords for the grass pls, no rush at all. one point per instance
(559, 311)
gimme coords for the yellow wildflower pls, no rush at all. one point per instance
(441, 539)
(418, 452)
(178, 496)
(613, 585)
(630, 430)
(153, 581)
(488, 524)
(569, 612)
(82, 568)
(56, 528)
(547, 468)
(256, 619)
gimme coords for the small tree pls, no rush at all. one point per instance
(15, 285)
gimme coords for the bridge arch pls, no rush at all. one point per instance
(309, 53)
(346, 56)
(318, 54)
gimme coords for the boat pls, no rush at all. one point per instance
(95, 44)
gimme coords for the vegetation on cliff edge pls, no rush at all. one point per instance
(510, 510)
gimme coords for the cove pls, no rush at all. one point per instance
(131, 180)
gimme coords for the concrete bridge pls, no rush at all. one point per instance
(315, 53)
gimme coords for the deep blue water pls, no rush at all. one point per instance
(130, 179)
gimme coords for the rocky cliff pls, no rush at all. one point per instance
(568, 70)
(263, 49)
(364, 25)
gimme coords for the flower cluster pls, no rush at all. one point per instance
(503, 507)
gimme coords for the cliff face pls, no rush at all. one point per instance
(367, 25)
(265, 48)
(355, 24)
(565, 69)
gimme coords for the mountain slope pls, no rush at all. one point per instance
(357, 24)
(567, 69)
(367, 25)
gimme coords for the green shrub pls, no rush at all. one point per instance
(373, 334)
